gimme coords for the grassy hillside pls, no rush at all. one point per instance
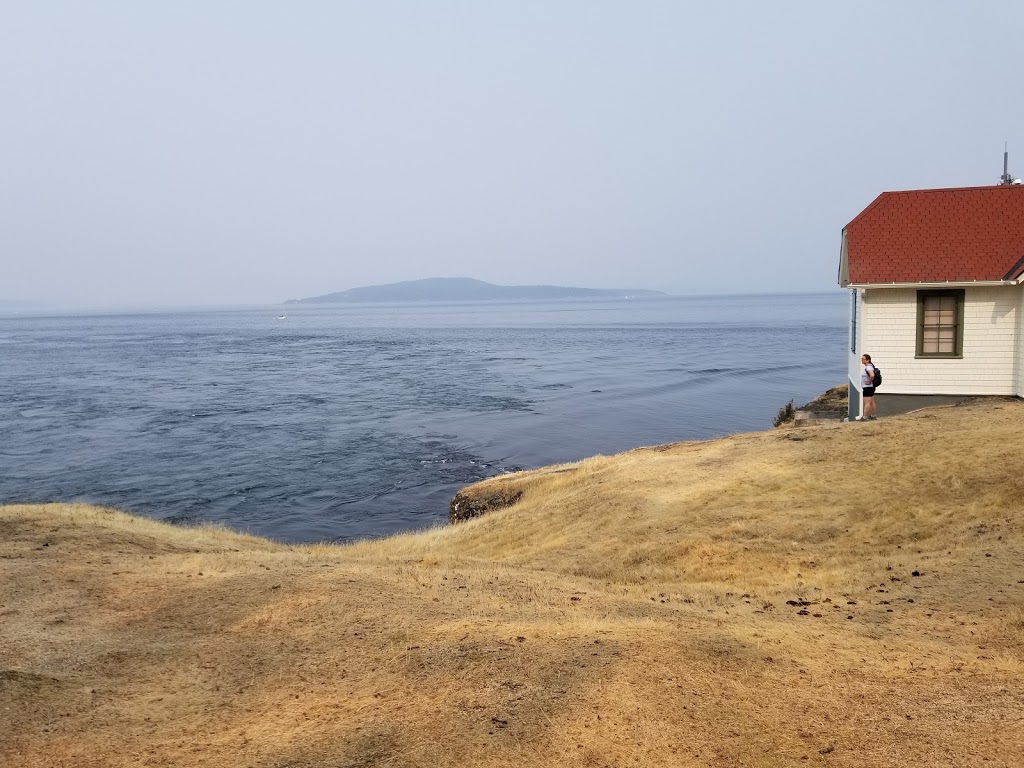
(845, 595)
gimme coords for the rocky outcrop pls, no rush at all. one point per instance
(828, 406)
(466, 505)
(835, 400)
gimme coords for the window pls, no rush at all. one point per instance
(853, 321)
(940, 323)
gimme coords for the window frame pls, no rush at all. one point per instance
(853, 321)
(958, 337)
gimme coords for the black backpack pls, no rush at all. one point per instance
(877, 380)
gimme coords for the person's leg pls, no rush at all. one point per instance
(869, 407)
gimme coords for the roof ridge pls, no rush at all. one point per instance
(990, 187)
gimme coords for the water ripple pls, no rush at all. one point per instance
(359, 422)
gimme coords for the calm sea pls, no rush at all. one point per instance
(342, 422)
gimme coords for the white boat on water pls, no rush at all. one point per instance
(282, 317)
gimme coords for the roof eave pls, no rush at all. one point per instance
(939, 284)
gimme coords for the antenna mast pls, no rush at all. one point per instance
(1005, 178)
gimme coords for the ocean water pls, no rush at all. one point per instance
(352, 421)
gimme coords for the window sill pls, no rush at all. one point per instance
(938, 357)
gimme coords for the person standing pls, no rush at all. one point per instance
(867, 383)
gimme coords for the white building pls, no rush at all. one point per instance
(935, 279)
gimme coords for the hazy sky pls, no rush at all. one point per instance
(246, 152)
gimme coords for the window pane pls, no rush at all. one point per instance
(939, 332)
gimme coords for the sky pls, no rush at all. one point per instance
(214, 152)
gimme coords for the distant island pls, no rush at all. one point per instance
(468, 289)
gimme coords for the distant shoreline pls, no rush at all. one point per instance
(468, 289)
(11, 313)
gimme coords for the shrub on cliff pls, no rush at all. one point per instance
(785, 415)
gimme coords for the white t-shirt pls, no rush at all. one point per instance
(867, 376)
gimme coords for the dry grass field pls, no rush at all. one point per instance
(841, 595)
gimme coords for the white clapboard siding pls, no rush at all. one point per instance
(990, 362)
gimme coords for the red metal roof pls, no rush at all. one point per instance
(938, 235)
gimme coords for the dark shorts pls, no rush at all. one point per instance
(869, 391)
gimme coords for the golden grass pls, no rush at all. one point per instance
(746, 601)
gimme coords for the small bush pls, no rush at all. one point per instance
(786, 414)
